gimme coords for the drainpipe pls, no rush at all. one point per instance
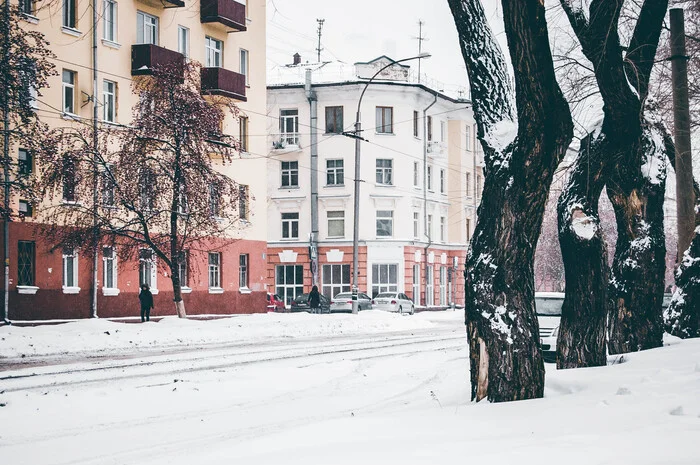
(313, 239)
(427, 233)
(95, 171)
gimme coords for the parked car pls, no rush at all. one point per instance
(342, 303)
(393, 302)
(548, 305)
(301, 303)
(275, 303)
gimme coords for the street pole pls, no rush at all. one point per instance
(95, 170)
(685, 195)
(6, 167)
(313, 239)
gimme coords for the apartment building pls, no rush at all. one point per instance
(228, 38)
(421, 182)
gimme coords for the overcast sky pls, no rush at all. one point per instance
(365, 29)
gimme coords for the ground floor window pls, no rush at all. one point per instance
(289, 281)
(336, 279)
(243, 271)
(26, 263)
(147, 269)
(214, 270)
(109, 261)
(429, 286)
(416, 284)
(182, 268)
(443, 285)
(385, 278)
(70, 268)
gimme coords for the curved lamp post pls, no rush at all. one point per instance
(356, 210)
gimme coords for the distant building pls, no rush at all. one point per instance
(421, 183)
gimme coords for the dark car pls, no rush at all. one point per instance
(301, 303)
(274, 303)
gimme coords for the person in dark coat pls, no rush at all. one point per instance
(146, 299)
(314, 300)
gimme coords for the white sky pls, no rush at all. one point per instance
(365, 29)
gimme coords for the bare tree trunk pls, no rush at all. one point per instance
(505, 358)
(177, 293)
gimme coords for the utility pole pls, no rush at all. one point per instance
(421, 38)
(685, 195)
(6, 165)
(320, 30)
(95, 167)
(313, 239)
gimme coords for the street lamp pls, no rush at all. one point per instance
(356, 209)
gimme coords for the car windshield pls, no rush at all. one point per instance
(345, 295)
(302, 298)
(548, 307)
(386, 295)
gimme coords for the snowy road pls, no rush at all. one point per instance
(371, 389)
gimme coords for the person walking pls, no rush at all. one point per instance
(146, 299)
(314, 300)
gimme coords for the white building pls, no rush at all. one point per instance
(421, 181)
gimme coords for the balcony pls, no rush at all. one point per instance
(220, 81)
(230, 13)
(164, 3)
(286, 142)
(436, 148)
(146, 56)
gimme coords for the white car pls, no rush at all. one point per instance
(393, 302)
(342, 303)
(548, 305)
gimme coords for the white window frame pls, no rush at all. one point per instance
(430, 286)
(416, 174)
(147, 28)
(213, 52)
(243, 272)
(443, 131)
(443, 286)
(468, 138)
(183, 41)
(416, 225)
(289, 116)
(443, 181)
(214, 273)
(443, 227)
(68, 86)
(430, 227)
(109, 100)
(384, 172)
(70, 279)
(290, 222)
(183, 272)
(290, 174)
(335, 175)
(385, 217)
(336, 218)
(288, 291)
(69, 14)
(331, 286)
(110, 17)
(430, 178)
(416, 284)
(109, 262)
(151, 266)
(384, 120)
(378, 283)
(244, 64)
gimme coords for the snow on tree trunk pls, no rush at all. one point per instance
(505, 358)
(682, 317)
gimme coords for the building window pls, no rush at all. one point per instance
(385, 120)
(146, 188)
(213, 53)
(289, 282)
(384, 171)
(147, 269)
(290, 225)
(243, 210)
(69, 179)
(25, 162)
(69, 16)
(334, 120)
(429, 286)
(243, 271)
(183, 41)
(416, 225)
(146, 29)
(468, 226)
(443, 181)
(430, 178)
(108, 187)
(214, 204)
(290, 174)
(443, 131)
(68, 79)
(109, 268)
(467, 184)
(26, 7)
(109, 99)
(467, 138)
(336, 224)
(245, 65)
(336, 279)
(416, 174)
(385, 278)
(243, 133)
(430, 128)
(430, 227)
(335, 175)
(110, 20)
(443, 285)
(385, 223)
(182, 269)
(289, 127)
(416, 284)
(442, 229)
(70, 268)
(26, 264)
(25, 208)
(478, 186)
(415, 123)
(214, 270)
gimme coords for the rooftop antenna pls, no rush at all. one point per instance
(421, 38)
(320, 29)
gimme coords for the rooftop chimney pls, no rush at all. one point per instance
(297, 59)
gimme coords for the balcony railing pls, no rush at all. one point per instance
(221, 81)
(230, 13)
(144, 57)
(286, 141)
(436, 148)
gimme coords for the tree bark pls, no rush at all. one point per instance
(505, 358)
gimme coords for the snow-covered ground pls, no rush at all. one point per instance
(375, 388)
